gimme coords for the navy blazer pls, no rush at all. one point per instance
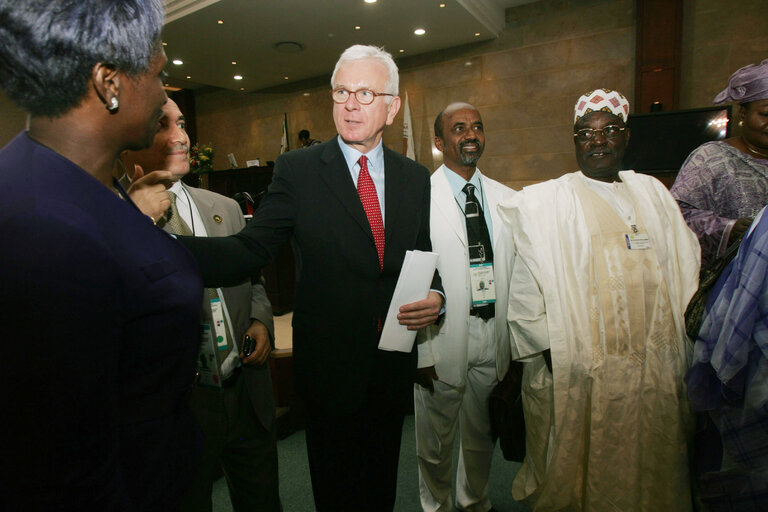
(100, 336)
(341, 292)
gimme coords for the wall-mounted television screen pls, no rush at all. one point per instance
(661, 141)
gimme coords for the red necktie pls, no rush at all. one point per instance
(367, 191)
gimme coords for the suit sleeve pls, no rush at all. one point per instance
(261, 308)
(228, 261)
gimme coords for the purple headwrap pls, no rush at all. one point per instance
(749, 83)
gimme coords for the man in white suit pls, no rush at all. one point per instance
(461, 360)
(233, 399)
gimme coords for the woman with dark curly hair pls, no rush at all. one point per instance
(100, 308)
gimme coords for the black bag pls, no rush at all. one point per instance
(694, 313)
(506, 410)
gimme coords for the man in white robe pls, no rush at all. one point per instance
(603, 270)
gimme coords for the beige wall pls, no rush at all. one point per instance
(524, 84)
(719, 37)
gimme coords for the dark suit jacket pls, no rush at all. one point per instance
(100, 337)
(341, 293)
(244, 302)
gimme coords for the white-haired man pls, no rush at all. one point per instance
(351, 208)
(604, 270)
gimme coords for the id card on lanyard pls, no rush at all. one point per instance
(213, 339)
(483, 284)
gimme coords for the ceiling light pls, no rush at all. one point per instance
(238, 77)
(306, 94)
(234, 62)
(220, 22)
(188, 77)
(177, 62)
(370, 1)
(242, 88)
(165, 44)
(285, 78)
(419, 31)
(288, 47)
(477, 34)
(442, 5)
(402, 51)
(357, 27)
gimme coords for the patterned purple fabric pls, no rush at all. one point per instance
(729, 381)
(718, 184)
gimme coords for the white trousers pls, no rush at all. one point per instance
(436, 418)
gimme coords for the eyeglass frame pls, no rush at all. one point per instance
(354, 93)
(601, 130)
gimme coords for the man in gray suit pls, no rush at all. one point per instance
(233, 399)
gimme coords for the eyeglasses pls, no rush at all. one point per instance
(609, 132)
(363, 96)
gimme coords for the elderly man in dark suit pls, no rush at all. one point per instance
(352, 208)
(233, 398)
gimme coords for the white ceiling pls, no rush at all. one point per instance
(324, 28)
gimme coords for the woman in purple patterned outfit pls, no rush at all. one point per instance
(723, 184)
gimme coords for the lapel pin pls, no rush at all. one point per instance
(217, 219)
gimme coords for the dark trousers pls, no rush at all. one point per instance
(236, 439)
(353, 460)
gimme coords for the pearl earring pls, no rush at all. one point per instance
(113, 104)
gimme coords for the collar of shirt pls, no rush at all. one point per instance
(375, 167)
(615, 194)
(457, 184)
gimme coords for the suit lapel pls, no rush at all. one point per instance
(493, 196)
(206, 209)
(335, 173)
(445, 203)
(395, 185)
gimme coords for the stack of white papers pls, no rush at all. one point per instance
(412, 286)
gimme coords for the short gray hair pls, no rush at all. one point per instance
(48, 47)
(366, 52)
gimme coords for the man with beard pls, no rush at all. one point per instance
(232, 399)
(603, 270)
(462, 360)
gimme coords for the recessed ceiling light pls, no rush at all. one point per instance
(177, 62)
(468, 63)
(477, 34)
(220, 22)
(357, 27)
(306, 94)
(442, 5)
(188, 77)
(242, 88)
(288, 47)
(285, 78)
(238, 77)
(419, 31)
(370, 1)
(165, 44)
(234, 62)
(402, 51)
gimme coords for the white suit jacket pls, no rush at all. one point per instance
(445, 345)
